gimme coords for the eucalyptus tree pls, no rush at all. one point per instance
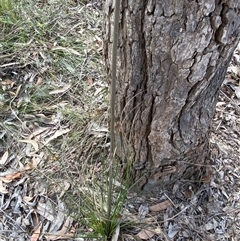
(172, 58)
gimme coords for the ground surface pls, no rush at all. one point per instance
(54, 137)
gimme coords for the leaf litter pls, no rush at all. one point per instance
(45, 97)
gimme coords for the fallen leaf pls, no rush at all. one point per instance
(44, 119)
(4, 158)
(160, 206)
(237, 92)
(36, 233)
(129, 217)
(98, 131)
(39, 81)
(38, 132)
(90, 80)
(207, 177)
(234, 69)
(18, 90)
(7, 82)
(65, 226)
(46, 210)
(127, 237)
(59, 91)
(65, 188)
(56, 135)
(59, 219)
(172, 230)
(27, 198)
(3, 188)
(143, 211)
(145, 234)
(61, 233)
(229, 80)
(28, 167)
(9, 178)
(117, 183)
(116, 233)
(187, 193)
(32, 142)
(69, 50)
(34, 162)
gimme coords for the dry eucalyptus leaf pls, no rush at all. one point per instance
(116, 234)
(32, 142)
(18, 90)
(129, 216)
(65, 188)
(56, 135)
(7, 82)
(98, 131)
(46, 210)
(143, 211)
(36, 233)
(237, 92)
(58, 221)
(69, 50)
(145, 234)
(172, 230)
(9, 178)
(60, 91)
(39, 81)
(61, 234)
(4, 158)
(27, 198)
(3, 188)
(44, 119)
(128, 237)
(234, 69)
(35, 161)
(160, 206)
(39, 131)
(118, 184)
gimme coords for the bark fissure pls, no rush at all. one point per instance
(172, 59)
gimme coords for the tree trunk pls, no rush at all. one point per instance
(172, 59)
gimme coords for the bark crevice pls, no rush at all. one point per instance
(173, 56)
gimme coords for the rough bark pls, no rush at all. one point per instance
(172, 60)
